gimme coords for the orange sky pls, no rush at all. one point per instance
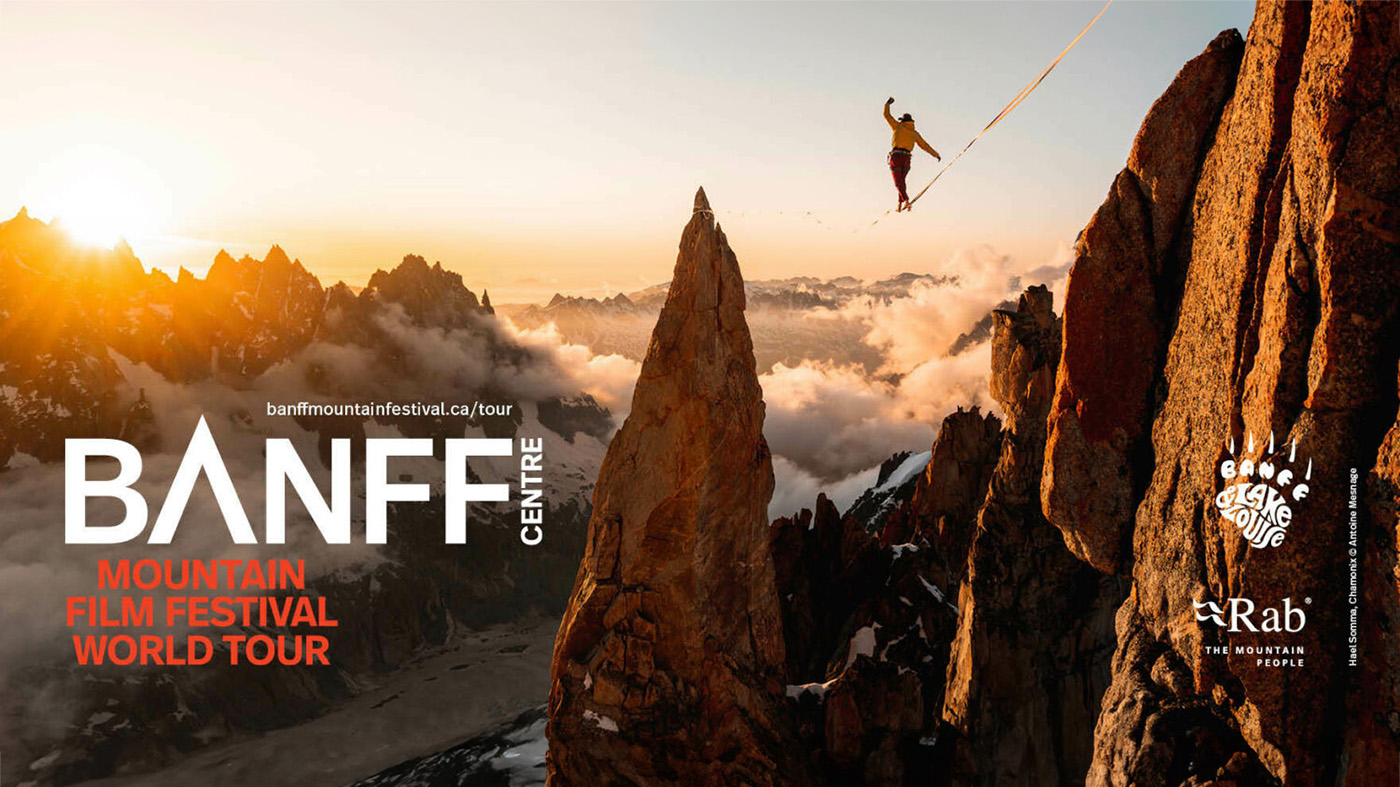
(540, 147)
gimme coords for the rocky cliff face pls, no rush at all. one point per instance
(867, 633)
(1251, 338)
(1127, 265)
(960, 641)
(669, 664)
(1035, 624)
(869, 613)
(941, 513)
(825, 564)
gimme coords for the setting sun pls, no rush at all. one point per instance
(99, 212)
(99, 197)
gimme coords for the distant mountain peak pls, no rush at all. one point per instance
(411, 262)
(276, 256)
(430, 295)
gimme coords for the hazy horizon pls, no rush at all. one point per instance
(537, 147)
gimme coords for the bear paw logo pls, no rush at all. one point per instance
(1259, 494)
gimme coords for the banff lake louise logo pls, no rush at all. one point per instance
(1259, 494)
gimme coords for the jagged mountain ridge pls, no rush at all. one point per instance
(233, 325)
(780, 315)
(796, 292)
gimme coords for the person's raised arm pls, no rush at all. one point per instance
(888, 117)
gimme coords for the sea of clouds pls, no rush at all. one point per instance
(831, 424)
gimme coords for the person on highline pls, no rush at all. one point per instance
(901, 156)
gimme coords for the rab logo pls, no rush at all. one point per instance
(1215, 614)
(1240, 615)
(1257, 501)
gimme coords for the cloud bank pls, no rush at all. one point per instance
(830, 424)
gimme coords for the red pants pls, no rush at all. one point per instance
(899, 167)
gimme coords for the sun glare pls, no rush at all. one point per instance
(99, 198)
(100, 212)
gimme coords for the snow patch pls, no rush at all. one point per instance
(936, 593)
(862, 644)
(906, 470)
(46, 760)
(600, 721)
(21, 459)
(900, 549)
(798, 690)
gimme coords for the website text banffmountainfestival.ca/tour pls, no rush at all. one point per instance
(381, 409)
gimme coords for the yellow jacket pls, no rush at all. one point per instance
(905, 136)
